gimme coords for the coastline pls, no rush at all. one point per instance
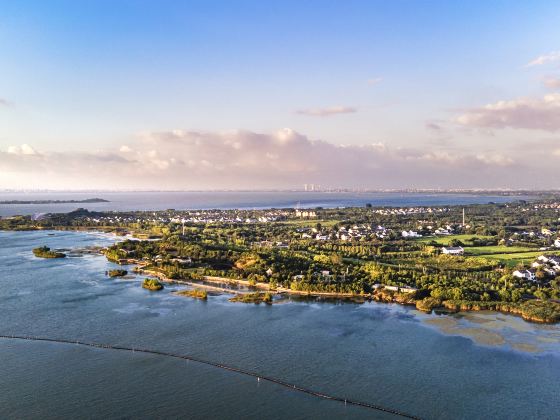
(508, 308)
(446, 308)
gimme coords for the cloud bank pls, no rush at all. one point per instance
(242, 159)
(523, 113)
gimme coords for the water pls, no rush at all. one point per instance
(126, 201)
(383, 354)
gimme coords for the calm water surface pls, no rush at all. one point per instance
(232, 200)
(383, 354)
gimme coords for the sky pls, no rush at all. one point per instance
(194, 95)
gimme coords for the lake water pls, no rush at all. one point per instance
(125, 201)
(478, 365)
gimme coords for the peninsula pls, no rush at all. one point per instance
(503, 257)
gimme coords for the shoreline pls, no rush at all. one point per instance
(446, 308)
(507, 308)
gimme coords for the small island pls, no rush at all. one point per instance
(117, 273)
(152, 284)
(257, 297)
(195, 293)
(45, 252)
(85, 201)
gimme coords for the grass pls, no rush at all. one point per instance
(498, 249)
(311, 223)
(195, 293)
(445, 240)
(514, 259)
(252, 298)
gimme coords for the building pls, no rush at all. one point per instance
(453, 250)
(525, 274)
(410, 234)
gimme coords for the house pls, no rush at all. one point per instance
(553, 260)
(557, 243)
(453, 250)
(549, 272)
(182, 261)
(407, 289)
(410, 234)
(269, 272)
(525, 274)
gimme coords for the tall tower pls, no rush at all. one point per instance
(463, 217)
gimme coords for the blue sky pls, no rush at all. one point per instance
(88, 77)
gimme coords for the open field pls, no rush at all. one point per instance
(514, 259)
(445, 240)
(498, 249)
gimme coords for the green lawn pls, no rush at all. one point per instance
(497, 249)
(513, 259)
(445, 240)
(310, 222)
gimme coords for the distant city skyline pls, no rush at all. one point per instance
(202, 95)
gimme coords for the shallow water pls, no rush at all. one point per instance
(383, 354)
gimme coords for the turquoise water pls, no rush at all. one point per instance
(126, 201)
(383, 354)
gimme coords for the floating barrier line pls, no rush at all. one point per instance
(280, 382)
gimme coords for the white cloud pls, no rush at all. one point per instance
(183, 159)
(545, 58)
(523, 113)
(374, 81)
(125, 149)
(327, 112)
(24, 149)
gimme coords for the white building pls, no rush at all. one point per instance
(453, 250)
(410, 234)
(525, 274)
